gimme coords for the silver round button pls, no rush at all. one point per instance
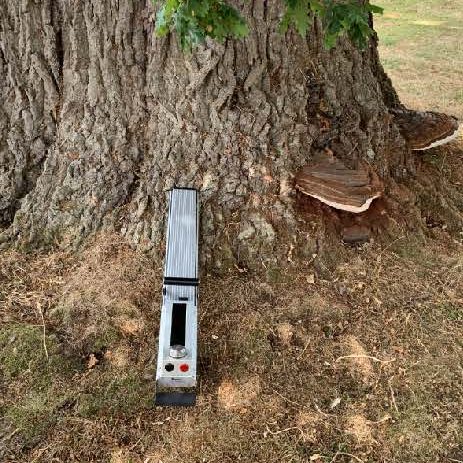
(177, 351)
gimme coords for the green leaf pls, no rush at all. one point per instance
(375, 9)
(195, 20)
(165, 15)
(198, 7)
(297, 13)
(330, 40)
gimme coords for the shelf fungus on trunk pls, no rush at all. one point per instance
(331, 182)
(426, 129)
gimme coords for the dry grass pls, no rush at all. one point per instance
(364, 367)
(28, 284)
(107, 295)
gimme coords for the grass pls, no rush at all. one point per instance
(421, 48)
(34, 371)
(379, 339)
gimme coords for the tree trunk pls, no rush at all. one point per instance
(98, 118)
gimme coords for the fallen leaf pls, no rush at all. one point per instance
(335, 403)
(92, 361)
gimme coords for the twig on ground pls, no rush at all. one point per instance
(134, 445)
(392, 394)
(378, 266)
(9, 436)
(328, 415)
(303, 351)
(355, 356)
(388, 247)
(275, 433)
(39, 453)
(289, 400)
(39, 309)
(347, 455)
(382, 420)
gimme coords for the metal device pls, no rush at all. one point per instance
(176, 366)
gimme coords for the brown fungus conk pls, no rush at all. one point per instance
(329, 181)
(425, 130)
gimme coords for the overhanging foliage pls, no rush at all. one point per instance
(194, 20)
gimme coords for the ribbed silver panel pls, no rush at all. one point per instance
(182, 235)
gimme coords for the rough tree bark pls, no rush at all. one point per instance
(98, 118)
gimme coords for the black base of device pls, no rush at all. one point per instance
(175, 399)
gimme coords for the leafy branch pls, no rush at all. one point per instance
(194, 20)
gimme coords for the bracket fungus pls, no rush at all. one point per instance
(425, 129)
(331, 182)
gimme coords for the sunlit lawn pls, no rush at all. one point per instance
(421, 45)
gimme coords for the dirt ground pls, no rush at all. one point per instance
(364, 366)
(361, 362)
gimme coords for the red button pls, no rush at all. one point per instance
(184, 367)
